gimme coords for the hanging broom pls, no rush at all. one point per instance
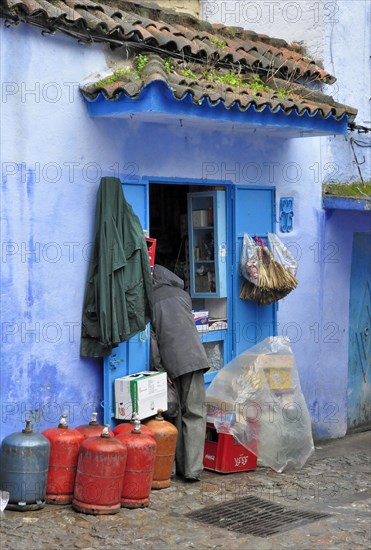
(280, 278)
(275, 281)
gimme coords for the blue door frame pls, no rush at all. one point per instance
(250, 209)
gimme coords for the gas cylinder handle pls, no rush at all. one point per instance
(93, 420)
(136, 429)
(63, 422)
(28, 428)
(105, 432)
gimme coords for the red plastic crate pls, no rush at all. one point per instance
(151, 245)
(222, 453)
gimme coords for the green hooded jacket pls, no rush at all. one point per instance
(118, 295)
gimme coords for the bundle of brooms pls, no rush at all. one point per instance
(274, 282)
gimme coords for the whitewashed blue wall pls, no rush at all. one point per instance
(52, 159)
(336, 33)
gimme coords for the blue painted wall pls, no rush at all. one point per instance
(336, 33)
(52, 161)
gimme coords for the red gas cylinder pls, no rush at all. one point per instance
(64, 447)
(100, 475)
(127, 427)
(139, 467)
(92, 429)
(165, 437)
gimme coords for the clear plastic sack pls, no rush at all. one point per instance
(257, 398)
(249, 261)
(281, 253)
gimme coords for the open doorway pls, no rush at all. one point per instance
(172, 224)
(169, 221)
(168, 224)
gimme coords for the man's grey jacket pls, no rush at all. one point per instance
(179, 343)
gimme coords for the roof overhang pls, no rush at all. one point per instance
(345, 203)
(156, 103)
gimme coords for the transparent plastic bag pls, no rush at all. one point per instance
(257, 398)
(281, 253)
(249, 261)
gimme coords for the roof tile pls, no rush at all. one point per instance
(276, 98)
(182, 36)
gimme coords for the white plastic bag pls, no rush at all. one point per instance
(4, 499)
(257, 398)
(281, 253)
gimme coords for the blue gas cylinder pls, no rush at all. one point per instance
(24, 469)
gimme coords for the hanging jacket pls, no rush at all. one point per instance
(178, 341)
(119, 289)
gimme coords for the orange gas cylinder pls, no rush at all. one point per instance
(92, 429)
(140, 465)
(165, 437)
(127, 427)
(100, 475)
(64, 447)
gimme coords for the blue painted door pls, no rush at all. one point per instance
(253, 212)
(131, 356)
(359, 367)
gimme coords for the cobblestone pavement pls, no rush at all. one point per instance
(335, 481)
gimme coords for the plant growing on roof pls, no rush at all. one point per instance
(140, 62)
(168, 65)
(117, 75)
(215, 41)
(256, 83)
(188, 73)
(355, 189)
(282, 93)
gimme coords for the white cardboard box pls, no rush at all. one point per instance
(201, 319)
(143, 392)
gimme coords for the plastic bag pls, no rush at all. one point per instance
(257, 398)
(4, 499)
(273, 279)
(172, 400)
(249, 262)
(282, 254)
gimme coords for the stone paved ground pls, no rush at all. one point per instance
(335, 480)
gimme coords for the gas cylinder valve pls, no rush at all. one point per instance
(93, 420)
(136, 426)
(63, 422)
(28, 428)
(105, 432)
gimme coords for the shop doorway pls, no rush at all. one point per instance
(163, 208)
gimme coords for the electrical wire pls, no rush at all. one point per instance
(133, 42)
(360, 143)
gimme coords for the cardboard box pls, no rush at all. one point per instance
(201, 320)
(278, 369)
(144, 392)
(200, 218)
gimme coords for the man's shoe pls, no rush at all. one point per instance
(192, 479)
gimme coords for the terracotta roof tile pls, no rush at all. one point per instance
(145, 25)
(168, 29)
(300, 98)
